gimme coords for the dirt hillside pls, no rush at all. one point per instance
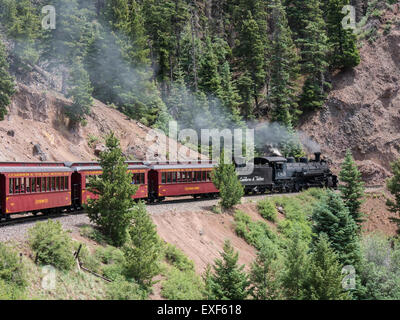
(36, 130)
(362, 112)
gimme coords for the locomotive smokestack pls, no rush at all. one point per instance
(317, 156)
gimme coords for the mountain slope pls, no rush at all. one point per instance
(36, 129)
(362, 112)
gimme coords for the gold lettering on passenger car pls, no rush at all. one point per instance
(41, 201)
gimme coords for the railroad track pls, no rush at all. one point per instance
(32, 218)
(39, 217)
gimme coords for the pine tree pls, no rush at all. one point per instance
(165, 21)
(342, 43)
(119, 75)
(7, 84)
(393, 185)
(111, 212)
(72, 36)
(291, 147)
(229, 95)
(331, 217)
(295, 266)
(314, 51)
(126, 17)
(71, 39)
(23, 26)
(142, 250)
(251, 51)
(80, 91)
(246, 91)
(353, 188)
(297, 14)
(229, 281)
(324, 281)
(191, 48)
(209, 76)
(190, 109)
(264, 274)
(283, 69)
(200, 113)
(179, 100)
(227, 182)
(208, 284)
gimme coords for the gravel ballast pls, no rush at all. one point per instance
(72, 222)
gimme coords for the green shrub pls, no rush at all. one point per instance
(316, 193)
(93, 234)
(114, 272)
(114, 260)
(110, 255)
(254, 232)
(182, 285)
(258, 231)
(12, 270)
(241, 228)
(267, 210)
(241, 216)
(298, 211)
(10, 291)
(88, 260)
(177, 258)
(216, 209)
(92, 140)
(52, 245)
(125, 290)
(380, 271)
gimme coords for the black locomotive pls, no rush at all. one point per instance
(278, 174)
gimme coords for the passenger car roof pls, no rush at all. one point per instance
(34, 169)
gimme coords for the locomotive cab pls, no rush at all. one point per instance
(280, 170)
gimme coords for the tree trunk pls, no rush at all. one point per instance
(194, 51)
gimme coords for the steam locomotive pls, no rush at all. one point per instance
(278, 174)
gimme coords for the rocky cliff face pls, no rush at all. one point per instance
(362, 112)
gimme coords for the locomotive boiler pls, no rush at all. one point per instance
(279, 174)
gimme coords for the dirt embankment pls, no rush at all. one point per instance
(362, 112)
(201, 236)
(36, 129)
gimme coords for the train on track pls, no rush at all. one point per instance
(50, 187)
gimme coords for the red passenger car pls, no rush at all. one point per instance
(34, 188)
(180, 179)
(83, 171)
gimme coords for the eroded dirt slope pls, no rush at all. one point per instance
(36, 129)
(362, 112)
(201, 235)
